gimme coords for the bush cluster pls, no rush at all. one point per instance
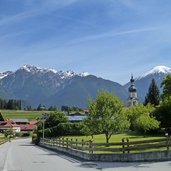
(63, 129)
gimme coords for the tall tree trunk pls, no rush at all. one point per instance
(92, 136)
(107, 138)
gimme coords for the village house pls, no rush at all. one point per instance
(18, 125)
(8, 124)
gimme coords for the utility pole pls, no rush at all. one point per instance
(44, 117)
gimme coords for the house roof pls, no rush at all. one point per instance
(11, 124)
(76, 118)
(8, 123)
(27, 127)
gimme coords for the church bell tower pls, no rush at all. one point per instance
(132, 100)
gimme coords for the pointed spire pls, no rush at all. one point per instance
(132, 78)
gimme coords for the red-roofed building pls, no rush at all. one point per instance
(5, 125)
(27, 127)
(19, 127)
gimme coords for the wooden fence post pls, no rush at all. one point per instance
(71, 143)
(59, 141)
(127, 141)
(66, 142)
(91, 146)
(167, 142)
(56, 141)
(53, 142)
(123, 145)
(82, 144)
(63, 142)
(76, 142)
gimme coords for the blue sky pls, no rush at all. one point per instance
(107, 38)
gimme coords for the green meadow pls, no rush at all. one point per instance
(133, 136)
(20, 114)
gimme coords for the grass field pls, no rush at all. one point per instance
(116, 138)
(21, 114)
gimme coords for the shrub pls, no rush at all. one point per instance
(63, 129)
(35, 139)
(19, 134)
(69, 129)
(9, 133)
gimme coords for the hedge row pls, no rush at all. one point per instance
(63, 129)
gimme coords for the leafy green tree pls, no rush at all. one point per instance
(10, 104)
(153, 95)
(9, 133)
(166, 84)
(163, 112)
(87, 128)
(41, 107)
(28, 108)
(106, 115)
(66, 109)
(52, 108)
(142, 118)
(1, 117)
(145, 123)
(53, 119)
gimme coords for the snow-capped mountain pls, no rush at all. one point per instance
(37, 85)
(143, 82)
(5, 74)
(157, 70)
(37, 70)
(62, 74)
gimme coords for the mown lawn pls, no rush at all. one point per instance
(116, 138)
(19, 114)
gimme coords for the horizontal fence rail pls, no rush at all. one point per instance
(125, 146)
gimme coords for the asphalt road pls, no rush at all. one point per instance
(21, 155)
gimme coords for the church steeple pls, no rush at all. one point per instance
(132, 100)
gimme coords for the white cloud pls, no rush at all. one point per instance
(114, 33)
(45, 7)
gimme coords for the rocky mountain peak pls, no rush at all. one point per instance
(157, 70)
(62, 74)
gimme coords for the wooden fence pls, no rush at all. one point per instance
(125, 146)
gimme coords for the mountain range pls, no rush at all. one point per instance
(35, 86)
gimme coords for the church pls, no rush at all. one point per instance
(132, 99)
